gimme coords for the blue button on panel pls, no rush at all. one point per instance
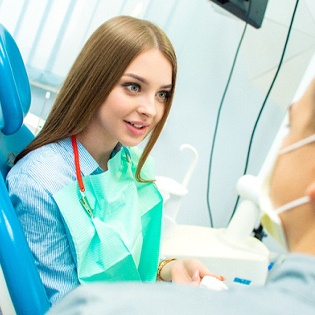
(242, 281)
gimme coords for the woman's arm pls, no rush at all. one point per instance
(45, 233)
(184, 271)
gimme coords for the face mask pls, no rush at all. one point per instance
(270, 219)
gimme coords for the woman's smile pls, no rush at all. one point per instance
(137, 128)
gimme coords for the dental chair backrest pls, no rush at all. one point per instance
(21, 276)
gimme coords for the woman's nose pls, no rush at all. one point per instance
(147, 106)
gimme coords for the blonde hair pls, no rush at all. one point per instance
(97, 69)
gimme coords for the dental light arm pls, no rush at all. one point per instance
(245, 218)
(248, 186)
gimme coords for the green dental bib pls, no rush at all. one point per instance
(121, 240)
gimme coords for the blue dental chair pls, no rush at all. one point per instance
(21, 276)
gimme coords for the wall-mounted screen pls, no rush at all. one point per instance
(251, 11)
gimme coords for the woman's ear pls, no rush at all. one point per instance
(310, 191)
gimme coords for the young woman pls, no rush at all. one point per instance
(83, 192)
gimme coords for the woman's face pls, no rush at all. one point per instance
(137, 102)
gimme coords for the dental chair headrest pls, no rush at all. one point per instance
(15, 93)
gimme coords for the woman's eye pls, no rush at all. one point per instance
(163, 95)
(133, 87)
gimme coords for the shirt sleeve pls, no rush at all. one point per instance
(46, 234)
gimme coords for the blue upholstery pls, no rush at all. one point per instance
(25, 287)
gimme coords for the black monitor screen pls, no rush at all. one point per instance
(240, 8)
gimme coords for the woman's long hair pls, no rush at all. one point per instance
(97, 69)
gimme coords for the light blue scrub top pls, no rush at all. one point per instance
(290, 290)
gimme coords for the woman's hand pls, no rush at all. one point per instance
(190, 271)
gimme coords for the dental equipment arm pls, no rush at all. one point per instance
(248, 187)
(232, 251)
(243, 222)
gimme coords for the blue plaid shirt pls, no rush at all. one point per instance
(31, 184)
